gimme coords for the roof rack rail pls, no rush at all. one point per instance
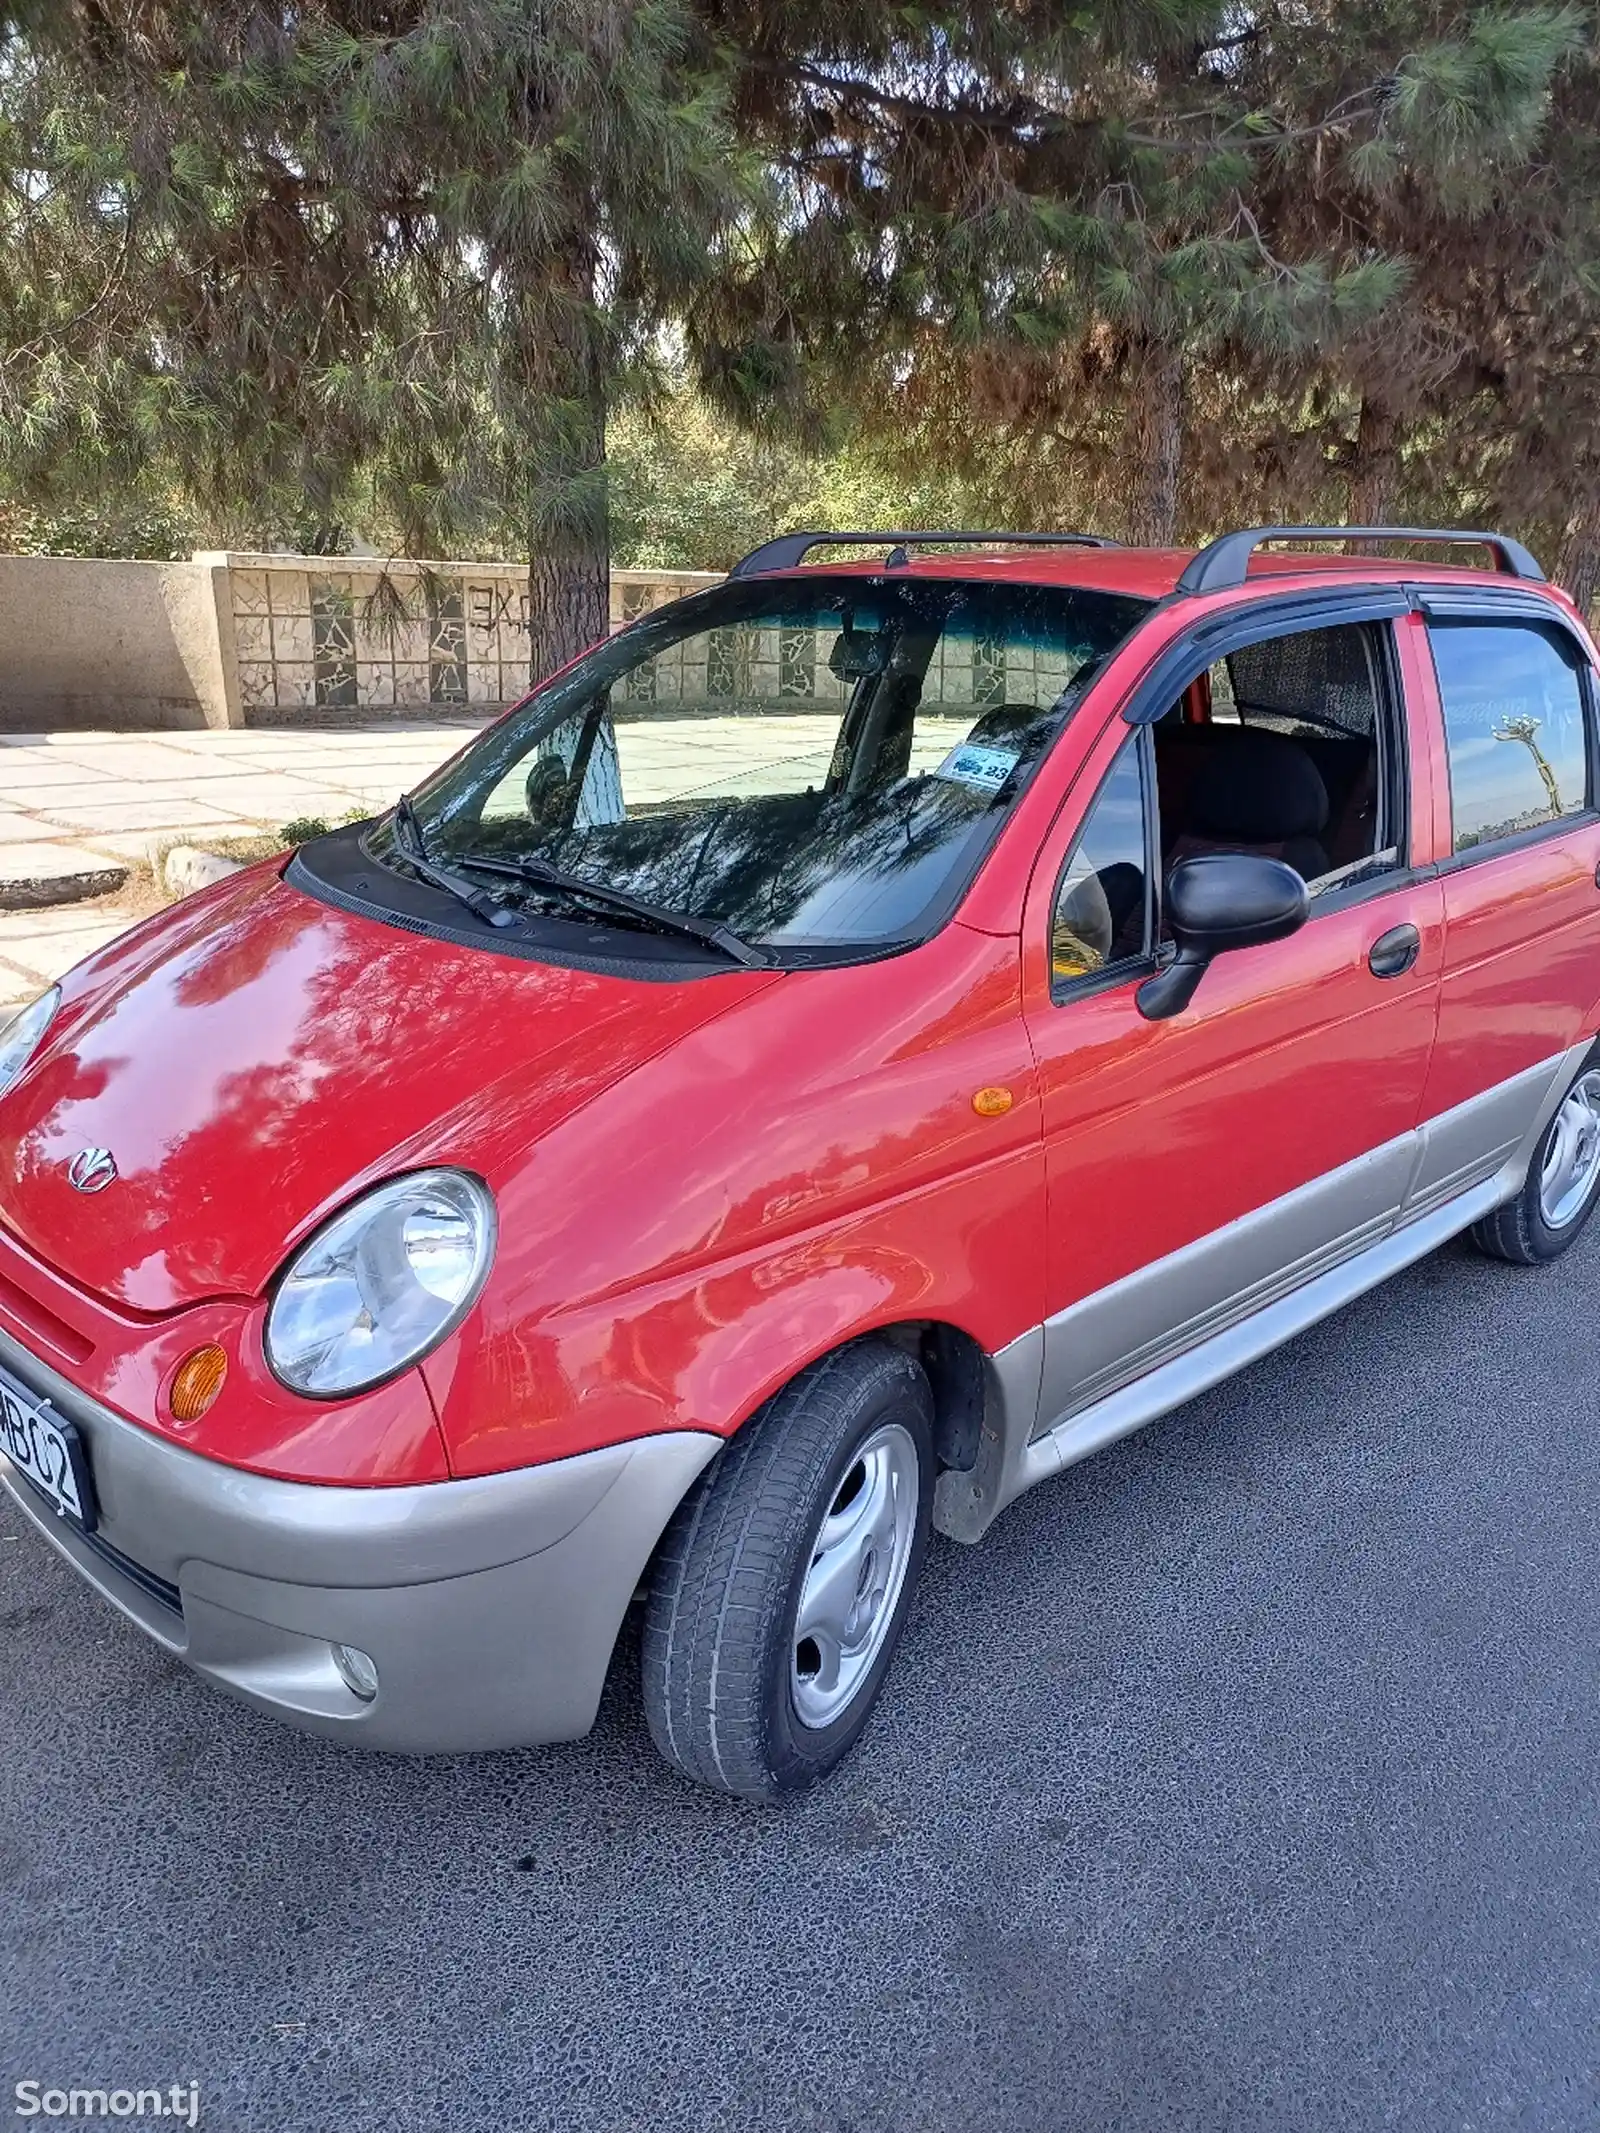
(1223, 565)
(789, 550)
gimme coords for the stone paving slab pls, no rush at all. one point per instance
(33, 875)
(115, 795)
(31, 961)
(43, 956)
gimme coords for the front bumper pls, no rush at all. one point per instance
(490, 1606)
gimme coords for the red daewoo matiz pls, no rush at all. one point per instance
(849, 1046)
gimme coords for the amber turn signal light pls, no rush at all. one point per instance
(199, 1380)
(992, 1103)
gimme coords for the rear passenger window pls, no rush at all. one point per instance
(1514, 727)
(1288, 747)
(1101, 910)
(1312, 683)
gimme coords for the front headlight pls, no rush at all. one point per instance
(382, 1283)
(20, 1039)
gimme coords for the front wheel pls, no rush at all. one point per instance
(1563, 1183)
(783, 1583)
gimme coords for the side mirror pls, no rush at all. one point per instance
(1219, 901)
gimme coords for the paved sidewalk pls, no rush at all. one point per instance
(119, 793)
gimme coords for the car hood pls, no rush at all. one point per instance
(255, 1057)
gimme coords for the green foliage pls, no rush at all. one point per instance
(304, 827)
(529, 276)
(155, 531)
(691, 491)
(335, 264)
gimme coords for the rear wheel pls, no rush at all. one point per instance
(783, 1583)
(1562, 1185)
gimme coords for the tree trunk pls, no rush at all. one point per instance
(569, 553)
(1375, 467)
(559, 356)
(569, 603)
(1578, 564)
(1155, 445)
(569, 599)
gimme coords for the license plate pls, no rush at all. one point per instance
(48, 1450)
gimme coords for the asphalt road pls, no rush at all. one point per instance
(1245, 1779)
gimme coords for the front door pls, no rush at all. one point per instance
(1198, 1167)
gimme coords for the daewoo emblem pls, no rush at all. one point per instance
(91, 1170)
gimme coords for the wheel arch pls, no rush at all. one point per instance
(953, 1360)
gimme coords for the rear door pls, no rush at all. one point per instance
(1199, 1166)
(1519, 848)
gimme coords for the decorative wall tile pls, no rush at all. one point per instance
(407, 640)
(296, 685)
(252, 637)
(249, 589)
(639, 683)
(483, 682)
(291, 592)
(411, 681)
(292, 637)
(374, 681)
(257, 683)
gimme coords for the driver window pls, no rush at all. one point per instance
(1288, 748)
(1102, 913)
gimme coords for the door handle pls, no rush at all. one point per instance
(1393, 953)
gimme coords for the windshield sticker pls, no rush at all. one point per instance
(987, 768)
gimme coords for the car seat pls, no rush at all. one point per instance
(1256, 791)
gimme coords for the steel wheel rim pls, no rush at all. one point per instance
(1572, 1154)
(857, 1572)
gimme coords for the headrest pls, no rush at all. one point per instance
(1008, 726)
(1258, 788)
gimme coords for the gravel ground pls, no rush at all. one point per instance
(1245, 1779)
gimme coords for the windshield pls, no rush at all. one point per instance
(816, 764)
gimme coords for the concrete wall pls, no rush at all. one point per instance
(318, 637)
(233, 640)
(112, 644)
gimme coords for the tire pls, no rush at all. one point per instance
(736, 1698)
(1558, 1196)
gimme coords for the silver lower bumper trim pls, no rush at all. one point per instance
(490, 1606)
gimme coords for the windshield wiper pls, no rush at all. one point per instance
(408, 835)
(540, 874)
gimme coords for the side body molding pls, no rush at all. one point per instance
(1135, 1350)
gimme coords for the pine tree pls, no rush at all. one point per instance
(1023, 216)
(1154, 264)
(1448, 173)
(404, 251)
(1119, 233)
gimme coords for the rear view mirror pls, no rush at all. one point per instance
(859, 655)
(1219, 901)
